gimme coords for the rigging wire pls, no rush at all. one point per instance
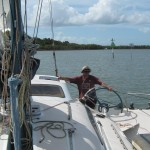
(133, 95)
(52, 30)
(37, 22)
(35, 26)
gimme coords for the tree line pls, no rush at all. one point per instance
(50, 44)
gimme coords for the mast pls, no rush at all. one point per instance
(13, 81)
(16, 35)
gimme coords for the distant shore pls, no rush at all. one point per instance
(48, 44)
(90, 49)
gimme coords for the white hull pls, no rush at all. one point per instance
(78, 127)
(80, 134)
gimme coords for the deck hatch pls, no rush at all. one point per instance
(47, 90)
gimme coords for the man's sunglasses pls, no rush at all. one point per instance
(86, 71)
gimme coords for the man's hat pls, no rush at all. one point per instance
(85, 69)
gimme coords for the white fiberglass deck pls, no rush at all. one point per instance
(73, 130)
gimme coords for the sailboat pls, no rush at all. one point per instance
(37, 112)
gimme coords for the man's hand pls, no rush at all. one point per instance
(59, 78)
(109, 88)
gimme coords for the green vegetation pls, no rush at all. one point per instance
(47, 44)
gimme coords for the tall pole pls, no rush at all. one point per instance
(14, 81)
(112, 46)
(16, 35)
(113, 55)
(13, 84)
(131, 45)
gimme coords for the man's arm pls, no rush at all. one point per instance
(98, 81)
(64, 78)
(106, 86)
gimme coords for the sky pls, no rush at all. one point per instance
(93, 21)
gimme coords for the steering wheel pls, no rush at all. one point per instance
(105, 98)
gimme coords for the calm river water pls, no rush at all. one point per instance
(127, 72)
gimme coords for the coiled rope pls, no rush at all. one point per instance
(54, 125)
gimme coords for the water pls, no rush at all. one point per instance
(129, 71)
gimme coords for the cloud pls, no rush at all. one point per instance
(60, 13)
(114, 12)
(102, 12)
(74, 39)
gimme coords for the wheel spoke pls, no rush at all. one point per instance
(100, 94)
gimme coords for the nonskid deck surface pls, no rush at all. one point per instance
(135, 124)
(129, 118)
(111, 134)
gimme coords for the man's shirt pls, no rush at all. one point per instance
(85, 84)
